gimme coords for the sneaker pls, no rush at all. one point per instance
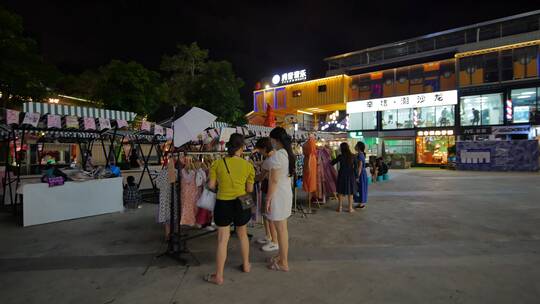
(270, 247)
(263, 240)
(210, 228)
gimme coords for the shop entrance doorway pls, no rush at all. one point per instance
(433, 149)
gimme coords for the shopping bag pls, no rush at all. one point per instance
(207, 200)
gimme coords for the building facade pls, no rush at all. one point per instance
(413, 100)
(305, 103)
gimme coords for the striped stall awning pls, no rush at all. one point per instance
(219, 124)
(59, 109)
(257, 128)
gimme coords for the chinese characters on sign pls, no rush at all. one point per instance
(120, 123)
(486, 130)
(12, 117)
(158, 130)
(169, 133)
(72, 122)
(146, 126)
(54, 121)
(404, 102)
(31, 119)
(104, 124)
(89, 123)
(289, 77)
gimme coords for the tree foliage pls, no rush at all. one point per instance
(126, 86)
(189, 78)
(218, 91)
(83, 85)
(190, 60)
(23, 73)
(193, 80)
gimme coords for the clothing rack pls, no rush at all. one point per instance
(177, 245)
(178, 240)
(218, 153)
(211, 153)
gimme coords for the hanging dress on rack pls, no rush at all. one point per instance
(188, 196)
(164, 207)
(309, 181)
(326, 183)
(299, 165)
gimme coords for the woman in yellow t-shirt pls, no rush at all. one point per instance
(233, 176)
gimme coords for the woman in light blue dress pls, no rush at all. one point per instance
(362, 175)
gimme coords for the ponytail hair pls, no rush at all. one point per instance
(361, 147)
(265, 144)
(280, 135)
(236, 142)
(346, 153)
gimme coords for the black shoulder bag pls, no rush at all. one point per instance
(246, 200)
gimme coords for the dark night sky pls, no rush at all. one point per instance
(259, 37)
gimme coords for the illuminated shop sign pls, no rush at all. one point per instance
(289, 77)
(435, 133)
(484, 130)
(404, 102)
(355, 135)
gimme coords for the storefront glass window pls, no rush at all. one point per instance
(363, 121)
(369, 121)
(433, 150)
(426, 117)
(399, 149)
(405, 118)
(445, 116)
(398, 119)
(355, 121)
(524, 105)
(482, 110)
(389, 119)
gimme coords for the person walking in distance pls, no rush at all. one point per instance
(476, 117)
(282, 165)
(346, 183)
(362, 181)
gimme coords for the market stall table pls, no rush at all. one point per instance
(43, 204)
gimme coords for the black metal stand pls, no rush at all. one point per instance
(8, 180)
(298, 207)
(146, 160)
(154, 143)
(177, 243)
(111, 155)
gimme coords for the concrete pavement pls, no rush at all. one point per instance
(428, 236)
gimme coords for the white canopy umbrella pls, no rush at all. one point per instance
(191, 124)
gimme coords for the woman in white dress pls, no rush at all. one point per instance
(279, 198)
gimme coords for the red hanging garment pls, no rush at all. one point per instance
(309, 182)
